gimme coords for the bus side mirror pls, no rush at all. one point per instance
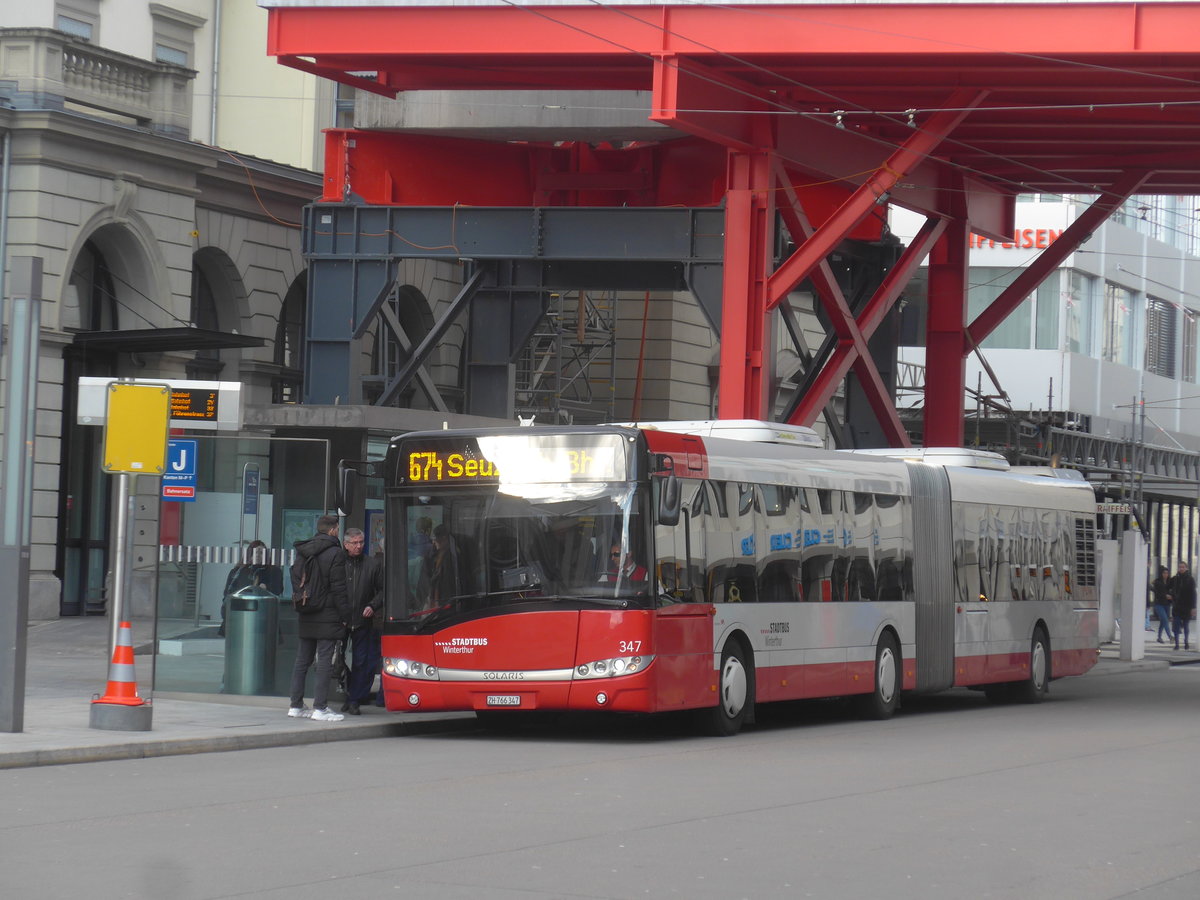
(348, 473)
(347, 482)
(668, 501)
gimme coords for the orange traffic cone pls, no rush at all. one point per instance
(122, 686)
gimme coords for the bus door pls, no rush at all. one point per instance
(933, 588)
(683, 638)
(972, 621)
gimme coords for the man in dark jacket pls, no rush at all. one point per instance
(321, 629)
(364, 585)
(1183, 602)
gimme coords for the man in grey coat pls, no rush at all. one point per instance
(320, 629)
(364, 585)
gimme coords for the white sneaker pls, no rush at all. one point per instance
(327, 715)
(300, 712)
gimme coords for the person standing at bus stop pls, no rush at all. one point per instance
(1183, 602)
(321, 629)
(364, 586)
(1160, 591)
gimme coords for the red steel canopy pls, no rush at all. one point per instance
(949, 109)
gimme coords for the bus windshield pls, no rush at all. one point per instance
(489, 549)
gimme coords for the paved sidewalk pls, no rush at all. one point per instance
(67, 665)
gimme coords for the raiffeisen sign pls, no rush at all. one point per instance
(1022, 239)
(1038, 224)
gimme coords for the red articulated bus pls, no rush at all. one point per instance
(712, 566)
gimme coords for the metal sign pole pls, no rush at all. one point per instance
(120, 558)
(16, 482)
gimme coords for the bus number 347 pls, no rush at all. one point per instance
(630, 646)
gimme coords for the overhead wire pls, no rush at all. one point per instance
(787, 108)
(771, 11)
(896, 117)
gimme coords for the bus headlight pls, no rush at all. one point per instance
(408, 668)
(612, 668)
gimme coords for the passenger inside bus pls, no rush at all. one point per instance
(439, 581)
(622, 567)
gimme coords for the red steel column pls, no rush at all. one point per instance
(745, 336)
(945, 357)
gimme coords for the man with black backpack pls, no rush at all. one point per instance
(323, 609)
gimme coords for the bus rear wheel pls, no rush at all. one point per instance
(735, 693)
(881, 703)
(1036, 685)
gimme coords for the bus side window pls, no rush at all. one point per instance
(817, 553)
(967, 518)
(778, 539)
(889, 561)
(1049, 568)
(864, 534)
(741, 579)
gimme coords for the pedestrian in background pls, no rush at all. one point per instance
(1183, 602)
(322, 628)
(1160, 595)
(364, 587)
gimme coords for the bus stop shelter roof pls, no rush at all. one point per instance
(1068, 96)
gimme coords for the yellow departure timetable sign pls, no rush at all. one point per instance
(135, 431)
(189, 404)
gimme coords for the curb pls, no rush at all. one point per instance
(1125, 667)
(187, 746)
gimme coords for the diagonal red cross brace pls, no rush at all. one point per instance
(809, 261)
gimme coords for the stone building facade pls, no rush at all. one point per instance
(160, 256)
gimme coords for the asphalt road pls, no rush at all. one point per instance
(1092, 794)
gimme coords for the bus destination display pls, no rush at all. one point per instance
(449, 465)
(545, 459)
(190, 403)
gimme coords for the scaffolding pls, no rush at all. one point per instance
(566, 374)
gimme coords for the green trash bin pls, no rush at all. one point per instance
(251, 634)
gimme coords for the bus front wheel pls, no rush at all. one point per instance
(735, 693)
(881, 703)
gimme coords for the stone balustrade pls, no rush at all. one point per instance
(45, 69)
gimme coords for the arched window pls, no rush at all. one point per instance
(207, 364)
(289, 344)
(90, 303)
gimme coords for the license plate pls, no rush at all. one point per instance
(504, 700)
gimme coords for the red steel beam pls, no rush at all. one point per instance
(900, 275)
(945, 365)
(847, 352)
(745, 345)
(873, 192)
(923, 32)
(704, 102)
(881, 402)
(852, 343)
(707, 104)
(1048, 260)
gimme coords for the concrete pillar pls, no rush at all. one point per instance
(1133, 595)
(1107, 556)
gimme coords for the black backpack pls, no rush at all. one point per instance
(308, 596)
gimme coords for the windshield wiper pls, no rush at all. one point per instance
(434, 614)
